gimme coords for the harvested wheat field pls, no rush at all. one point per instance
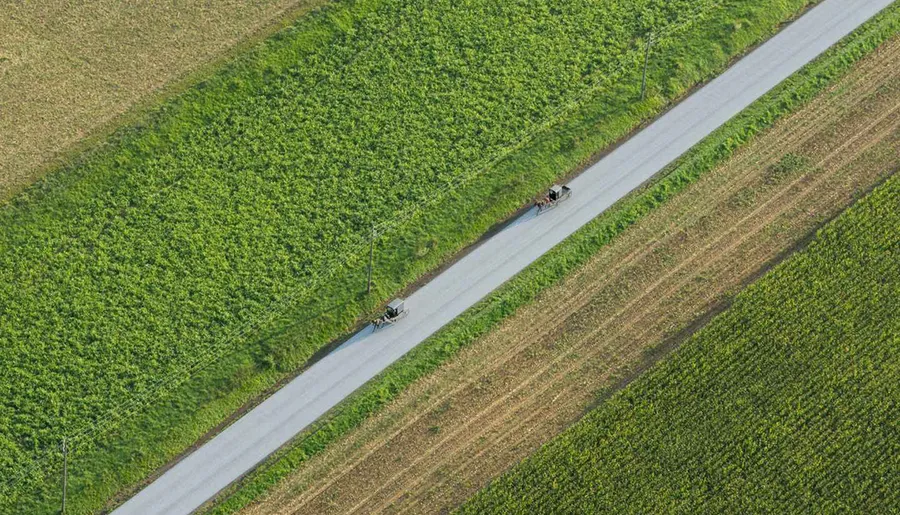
(70, 70)
(501, 398)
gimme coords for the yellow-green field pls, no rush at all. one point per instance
(71, 70)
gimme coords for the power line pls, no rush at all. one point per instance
(371, 259)
(65, 477)
(646, 60)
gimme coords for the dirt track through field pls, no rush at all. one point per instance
(450, 433)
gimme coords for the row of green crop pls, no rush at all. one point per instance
(129, 268)
(785, 403)
(789, 96)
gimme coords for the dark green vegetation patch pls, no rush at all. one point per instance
(785, 403)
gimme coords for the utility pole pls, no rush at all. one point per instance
(65, 478)
(371, 258)
(646, 60)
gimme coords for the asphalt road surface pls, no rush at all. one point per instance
(241, 446)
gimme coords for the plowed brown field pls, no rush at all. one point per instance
(450, 433)
(69, 70)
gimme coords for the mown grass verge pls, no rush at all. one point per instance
(784, 403)
(217, 263)
(783, 100)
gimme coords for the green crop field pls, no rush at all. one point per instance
(233, 222)
(785, 403)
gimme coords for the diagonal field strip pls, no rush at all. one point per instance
(274, 422)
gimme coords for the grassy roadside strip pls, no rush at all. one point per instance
(146, 438)
(784, 99)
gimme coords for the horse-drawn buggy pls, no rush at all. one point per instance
(395, 310)
(553, 198)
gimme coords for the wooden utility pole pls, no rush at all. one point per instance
(371, 258)
(65, 478)
(646, 60)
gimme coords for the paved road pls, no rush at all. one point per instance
(261, 431)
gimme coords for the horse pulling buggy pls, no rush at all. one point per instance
(394, 312)
(553, 198)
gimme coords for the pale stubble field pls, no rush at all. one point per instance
(71, 72)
